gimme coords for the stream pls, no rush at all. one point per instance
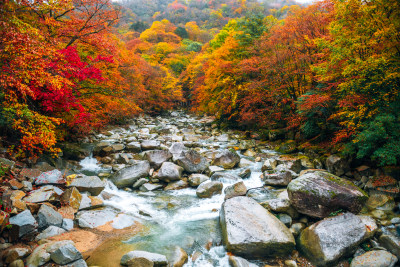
(175, 217)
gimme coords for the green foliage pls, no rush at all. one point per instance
(139, 26)
(181, 32)
(3, 170)
(177, 67)
(220, 38)
(379, 141)
(192, 46)
(335, 213)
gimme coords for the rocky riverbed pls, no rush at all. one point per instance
(177, 191)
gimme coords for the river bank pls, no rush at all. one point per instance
(178, 186)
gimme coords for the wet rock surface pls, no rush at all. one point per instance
(329, 240)
(319, 193)
(192, 162)
(251, 231)
(128, 176)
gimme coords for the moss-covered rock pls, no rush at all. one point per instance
(288, 147)
(319, 193)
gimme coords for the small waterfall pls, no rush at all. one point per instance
(90, 164)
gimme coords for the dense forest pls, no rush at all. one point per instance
(327, 73)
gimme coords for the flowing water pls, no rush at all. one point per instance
(171, 218)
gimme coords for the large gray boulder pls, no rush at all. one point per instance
(133, 258)
(169, 172)
(327, 241)
(209, 188)
(375, 258)
(226, 159)
(192, 161)
(157, 157)
(251, 231)
(50, 177)
(47, 216)
(128, 176)
(92, 184)
(65, 254)
(23, 224)
(319, 193)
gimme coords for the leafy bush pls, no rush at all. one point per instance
(379, 141)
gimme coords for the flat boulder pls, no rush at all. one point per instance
(319, 193)
(209, 189)
(135, 257)
(129, 175)
(44, 194)
(95, 218)
(51, 177)
(327, 241)
(157, 157)
(169, 172)
(251, 231)
(226, 159)
(50, 232)
(192, 161)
